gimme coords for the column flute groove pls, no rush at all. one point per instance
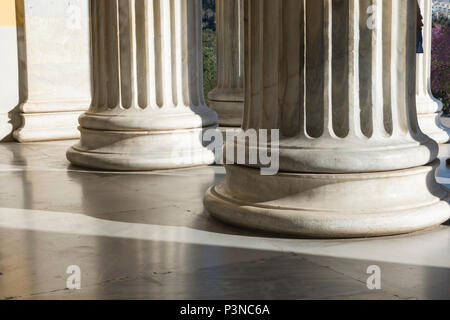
(353, 83)
(333, 181)
(148, 110)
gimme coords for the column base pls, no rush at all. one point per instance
(230, 112)
(432, 126)
(446, 121)
(229, 132)
(48, 126)
(331, 205)
(141, 150)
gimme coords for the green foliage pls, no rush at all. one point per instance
(209, 61)
(442, 20)
(209, 45)
(209, 15)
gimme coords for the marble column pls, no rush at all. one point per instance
(337, 78)
(148, 110)
(54, 72)
(227, 99)
(429, 108)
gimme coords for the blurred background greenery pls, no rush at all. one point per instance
(441, 50)
(440, 61)
(209, 45)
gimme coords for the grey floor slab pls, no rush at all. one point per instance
(146, 235)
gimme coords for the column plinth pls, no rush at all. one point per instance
(429, 108)
(227, 99)
(341, 90)
(148, 111)
(330, 205)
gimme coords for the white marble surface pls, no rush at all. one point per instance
(56, 55)
(54, 69)
(338, 100)
(353, 161)
(146, 235)
(148, 110)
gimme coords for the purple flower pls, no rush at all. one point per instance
(440, 64)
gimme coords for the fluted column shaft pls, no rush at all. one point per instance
(337, 78)
(429, 108)
(148, 100)
(228, 97)
(346, 83)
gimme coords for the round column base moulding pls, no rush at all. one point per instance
(432, 126)
(230, 112)
(141, 150)
(331, 205)
(353, 156)
(229, 132)
(136, 119)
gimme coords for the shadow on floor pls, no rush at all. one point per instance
(114, 268)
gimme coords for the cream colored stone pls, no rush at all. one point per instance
(227, 99)
(353, 160)
(48, 126)
(54, 69)
(331, 205)
(429, 108)
(148, 109)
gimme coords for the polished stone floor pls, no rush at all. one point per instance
(146, 236)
